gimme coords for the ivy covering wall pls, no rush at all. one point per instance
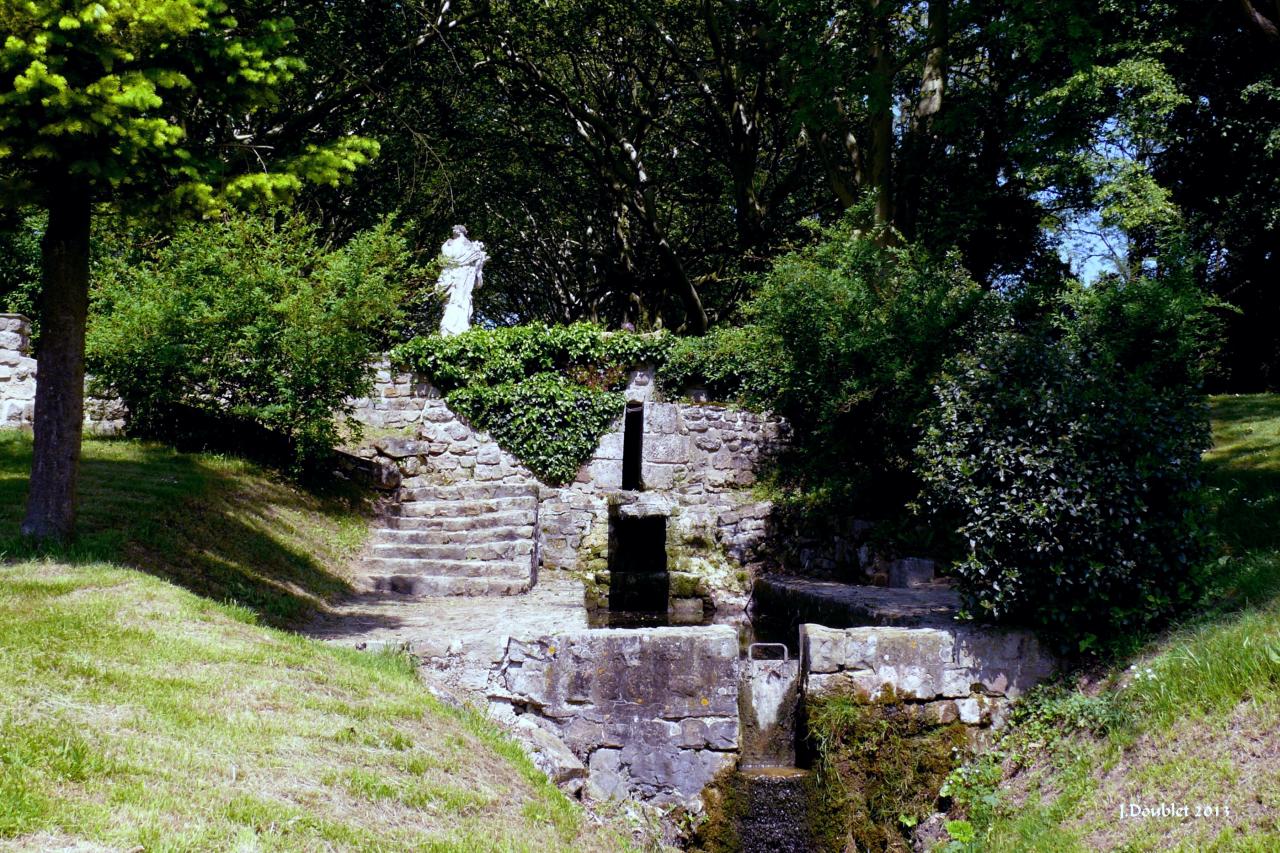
(545, 393)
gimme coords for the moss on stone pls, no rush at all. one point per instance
(684, 585)
(725, 804)
(878, 768)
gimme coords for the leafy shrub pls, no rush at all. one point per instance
(248, 318)
(20, 265)
(514, 353)
(845, 339)
(546, 393)
(1070, 455)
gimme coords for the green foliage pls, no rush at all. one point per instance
(248, 317)
(879, 769)
(550, 423)
(546, 393)
(845, 340)
(1070, 459)
(20, 232)
(106, 94)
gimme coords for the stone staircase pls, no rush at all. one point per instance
(460, 539)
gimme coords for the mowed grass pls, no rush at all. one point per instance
(222, 527)
(1193, 718)
(138, 715)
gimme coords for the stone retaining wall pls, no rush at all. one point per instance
(968, 674)
(102, 415)
(697, 466)
(17, 372)
(649, 713)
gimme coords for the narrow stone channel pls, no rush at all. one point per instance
(769, 701)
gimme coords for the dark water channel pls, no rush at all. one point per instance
(776, 810)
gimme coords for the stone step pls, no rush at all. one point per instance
(450, 568)
(436, 536)
(435, 585)
(462, 508)
(487, 521)
(512, 550)
(411, 491)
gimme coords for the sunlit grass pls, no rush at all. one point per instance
(1195, 710)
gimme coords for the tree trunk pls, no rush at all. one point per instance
(881, 106)
(59, 410)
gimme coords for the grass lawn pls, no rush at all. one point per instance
(1192, 718)
(137, 715)
(222, 527)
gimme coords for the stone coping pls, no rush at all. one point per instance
(842, 605)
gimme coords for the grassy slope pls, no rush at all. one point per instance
(138, 715)
(1194, 718)
(221, 527)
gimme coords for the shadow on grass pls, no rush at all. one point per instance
(218, 526)
(1243, 471)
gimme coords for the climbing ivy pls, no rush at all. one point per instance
(545, 393)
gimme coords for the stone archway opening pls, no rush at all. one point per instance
(638, 579)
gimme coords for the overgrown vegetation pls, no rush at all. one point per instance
(1189, 718)
(249, 317)
(1069, 456)
(877, 771)
(546, 393)
(844, 338)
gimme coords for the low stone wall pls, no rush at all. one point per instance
(17, 372)
(398, 400)
(968, 674)
(102, 415)
(649, 713)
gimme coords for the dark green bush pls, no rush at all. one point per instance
(1069, 455)
(546, 393)
(20, 232)
(845, 339)
(248, 318)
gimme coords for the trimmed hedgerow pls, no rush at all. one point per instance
(545, 393)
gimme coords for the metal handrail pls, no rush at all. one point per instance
(751, 649)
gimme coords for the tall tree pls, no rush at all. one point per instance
(123, 102)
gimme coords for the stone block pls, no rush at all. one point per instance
(549, 753)
(823, 648)
(399, 448)
(926, 664)
(655, 476)
(661, 419)
(13, 341)
(610, 446)
(654, 673)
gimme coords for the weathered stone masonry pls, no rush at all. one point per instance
(650, 713)
(968, 674)
(102, 415)
(697, 467)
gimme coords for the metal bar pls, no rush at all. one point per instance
(751, 650)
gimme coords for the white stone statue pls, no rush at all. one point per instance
(461, 275)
